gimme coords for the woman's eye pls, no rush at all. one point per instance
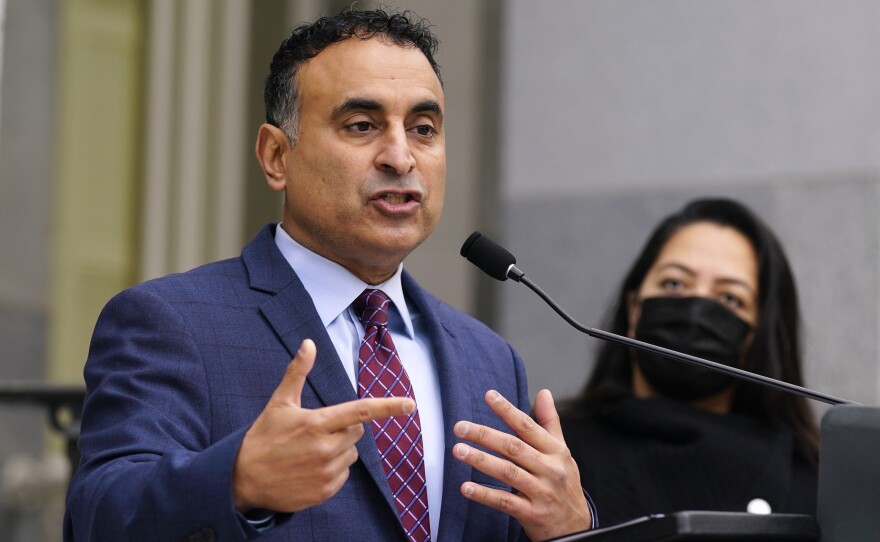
(731, 300)
(672, 285)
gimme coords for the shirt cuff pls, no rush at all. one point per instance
(259, 520)
(594, 514)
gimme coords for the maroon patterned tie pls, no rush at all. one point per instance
(399, 439)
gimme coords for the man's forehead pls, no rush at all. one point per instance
(357, 68)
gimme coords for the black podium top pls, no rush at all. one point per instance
(698, 526)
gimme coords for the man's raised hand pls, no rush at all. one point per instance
(292, 458)
(548, 500)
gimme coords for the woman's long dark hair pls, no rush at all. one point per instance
(775, 349)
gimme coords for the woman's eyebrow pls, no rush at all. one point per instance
(678, 266)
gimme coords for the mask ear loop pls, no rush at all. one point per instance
(633, 312)
(746, 360)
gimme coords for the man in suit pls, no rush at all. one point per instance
(197, 424)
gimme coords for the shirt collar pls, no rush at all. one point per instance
(332, 287)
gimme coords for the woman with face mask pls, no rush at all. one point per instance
(652, 435)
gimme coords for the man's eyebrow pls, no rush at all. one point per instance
(364, 104)
(356, 104)
(428, 106)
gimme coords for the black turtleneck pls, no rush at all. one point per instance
(645, 456)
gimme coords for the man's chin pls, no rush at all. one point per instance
(396, 249)
(399, 240)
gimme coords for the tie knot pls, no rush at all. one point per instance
(371, 308)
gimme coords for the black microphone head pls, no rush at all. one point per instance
(490, 257)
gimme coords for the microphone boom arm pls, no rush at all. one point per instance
(517, 275)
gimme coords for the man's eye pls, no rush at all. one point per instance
(362, 126)
(425, 130)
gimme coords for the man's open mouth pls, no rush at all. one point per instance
(396, 198)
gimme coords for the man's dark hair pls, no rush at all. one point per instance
(281, 94)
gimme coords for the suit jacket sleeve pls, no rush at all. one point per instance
(150, 469)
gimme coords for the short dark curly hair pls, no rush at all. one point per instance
(280, 93)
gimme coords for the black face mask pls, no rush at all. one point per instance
(696, 326)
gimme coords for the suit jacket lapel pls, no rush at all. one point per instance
(457, 405)
(293, 316)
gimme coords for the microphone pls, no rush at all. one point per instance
(490, 257)
(498, 263)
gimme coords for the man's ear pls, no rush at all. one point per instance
(272, 145)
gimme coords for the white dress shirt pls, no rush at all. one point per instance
(333, 289)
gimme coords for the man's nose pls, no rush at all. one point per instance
(396, 155)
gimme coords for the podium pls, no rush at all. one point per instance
(848, 500)
(849, 474)
(705, 526)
